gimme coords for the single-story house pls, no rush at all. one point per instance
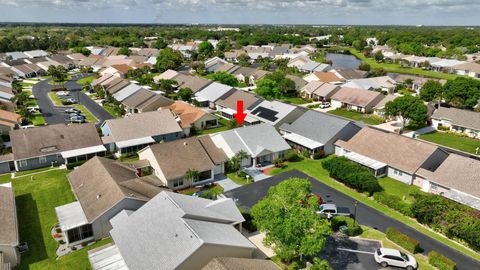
(62, 59)
(446, 65)
(103, 187)
(210, 94)
(16, 55)
(36, 53)
(468, 69)
(349, 74)
(189, 116)
(126, 92)
(317, 132)
(355, 99)
(154, 104)
(319, 91)
(379, 109)
(132, 102)
(249, 75)
(383, 83)
(299, 81)
(261, 142)
(115, 86)
(390, 154)
(167, 75)
(457, 120)
(297, 60)
(171, 161)
(327, 77)
(9, 236)
(129, 134)
(27, 70)
(214, 63)
(178, 232)
(223, 263)
(9, 121)
(457, 178)
(228, 68)
(194, 83)
(313, 66)
(227, 104)
(276, 113)
(54, 145)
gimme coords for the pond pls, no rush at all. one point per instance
(345, 61)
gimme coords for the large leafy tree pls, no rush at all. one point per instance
(462, 92)
(205, 49)
(288, 217)
(58, 73)
(168, 59)
(224, 77)
(431, 90)
(185, 94)
(409, 109)
(268, 89)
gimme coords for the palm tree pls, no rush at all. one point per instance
(239, 157)
(192, 175)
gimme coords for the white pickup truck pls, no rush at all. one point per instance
(330, 210)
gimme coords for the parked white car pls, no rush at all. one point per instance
(394, 257)
(324, 105)
(62, 93)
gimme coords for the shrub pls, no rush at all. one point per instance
(410, 244)
(61, 242)
(277, 162)
(441, 262)
(317, 156)
(58, 230)
(354, 228)
(249, 224)
(74, 248)
(352, 174)
(393, 202)
(292, 156)
(72, 165)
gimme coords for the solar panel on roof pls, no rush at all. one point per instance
(266, 114)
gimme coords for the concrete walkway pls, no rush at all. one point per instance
(256, 173)
(421, 131)
(227, 183)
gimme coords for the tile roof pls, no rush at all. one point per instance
(8, 217)
(101, 183)
(188, 113)
(458, 117)
(398, 151)
(358, 97)
(52, 139)
(460, 173)
(143, 125)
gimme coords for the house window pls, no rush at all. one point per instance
(22, 163)
(42, 159)
(177, 183)
(79, 233)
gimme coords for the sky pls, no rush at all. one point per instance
(318, 12)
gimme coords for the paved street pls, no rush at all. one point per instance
(247, 196)
(56, 115)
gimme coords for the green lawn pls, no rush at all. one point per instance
(357, 116)
(397, 68)
(238, 180)
(38, 120)
(52, 82)
(86, 80)
(88, 115)
(394, 187)
(294, 100)
(314, 169)
(223, 126)
(55, 99)
(110, 108)
(22, 173)
(451, 140)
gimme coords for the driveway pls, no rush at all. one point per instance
(256, 173)
(226, 183)
(55, 114)
(247, 196)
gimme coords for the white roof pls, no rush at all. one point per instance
(366, 161)
(134, 142)
(83, 151)
(229, 111)
(447, 63)
(16, 55)
(126, 92)
(213, 91)
(36, 53)
(107, 258)
(71, 216)
(304, 141)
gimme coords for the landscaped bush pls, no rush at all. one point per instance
(292, 156)
(248, 224)
(352, 174)
(393, 202)
(317, 156)
(441, 262)
(354, 228)
(455, 220)
(410, 244)
(72, 165)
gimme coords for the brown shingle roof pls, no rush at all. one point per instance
(48, 140)
(154, 103)
(327, 77)
(358, 97)
(224, 263)
(229, 100)
(123, 68)
(398, 151)
(9, 116)
(138, 98)
(460, 173)
(119, 85)
(8, 217)
(101, 183)
(458, 117)
(195, 83)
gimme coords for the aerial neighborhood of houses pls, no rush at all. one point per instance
(151, 155)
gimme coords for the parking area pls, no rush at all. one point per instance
(351, 254)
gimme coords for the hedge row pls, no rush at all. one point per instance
(352, 174)
(394, 202)
(456, 221)
(354, 228)
(410, 244)
(72, 165)
(441, 262)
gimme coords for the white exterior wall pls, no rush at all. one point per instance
(219, 169)
(339, 151)
(336, 104)
(10, 255)
(148, 155)
(399, 175)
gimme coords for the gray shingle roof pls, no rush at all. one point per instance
(317, 126)
(458, 117)
(228, 263)
(8, 217)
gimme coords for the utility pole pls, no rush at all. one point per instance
(355, 213)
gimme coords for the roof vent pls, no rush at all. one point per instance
(176, 235)
(61, 136)
(185, 143)
(99, 196)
